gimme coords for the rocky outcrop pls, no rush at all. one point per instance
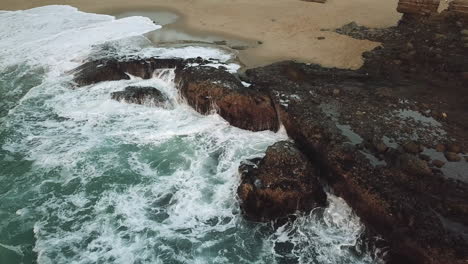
(418, 7)
(210, 89)
(280, 184)
(357, 132)
(102, 70)
(141, 95)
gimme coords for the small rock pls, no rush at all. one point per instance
(321, 38)
(454, 148)
(316, 1)
(381, 147)
(440, 148)
(452, 156)
(220, 42)
(412, 147)
(259, 42)
(438, 163)
(424, 157)
(410, 45)
(239, 47)
(413, 165)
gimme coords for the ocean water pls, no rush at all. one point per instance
(85, 179)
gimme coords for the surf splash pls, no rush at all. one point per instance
(85, 179)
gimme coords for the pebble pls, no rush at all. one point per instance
(451, 156)
(440, 148)
(454, 148)
(381, 147)
(424, 157)
(414, 165)
(412, 147)
(438, 163)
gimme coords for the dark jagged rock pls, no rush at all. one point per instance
(207, 89)
(281, 183)
(141, 95)
(118, 69)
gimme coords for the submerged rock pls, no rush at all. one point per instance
(281, 183)
(210, 89)
(141, 95)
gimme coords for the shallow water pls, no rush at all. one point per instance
(85, 179)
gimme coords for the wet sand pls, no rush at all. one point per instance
(286, 29)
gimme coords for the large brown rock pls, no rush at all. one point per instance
(281, 183)
(459, 7)
(210, 89)
(419, 7)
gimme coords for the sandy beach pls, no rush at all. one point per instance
(286, 29)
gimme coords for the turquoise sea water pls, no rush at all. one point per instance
(85, 179)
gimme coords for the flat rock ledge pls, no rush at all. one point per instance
(282, 183)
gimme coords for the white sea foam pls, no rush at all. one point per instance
(124, 183)
(61, 36)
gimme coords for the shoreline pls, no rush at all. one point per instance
(286, 29)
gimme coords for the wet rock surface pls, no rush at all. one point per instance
(367, 140)
(281, 183)
(141, 95)
(211, 89)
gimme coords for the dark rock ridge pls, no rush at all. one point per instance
(357, 132)
(141, 95)
(207, 89)
(281, 183)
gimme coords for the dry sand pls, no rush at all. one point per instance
(288, 29)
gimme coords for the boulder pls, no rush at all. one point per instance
(459, 7)
(418, 7)
(210, 89)
(281, 183)
(141, 95)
